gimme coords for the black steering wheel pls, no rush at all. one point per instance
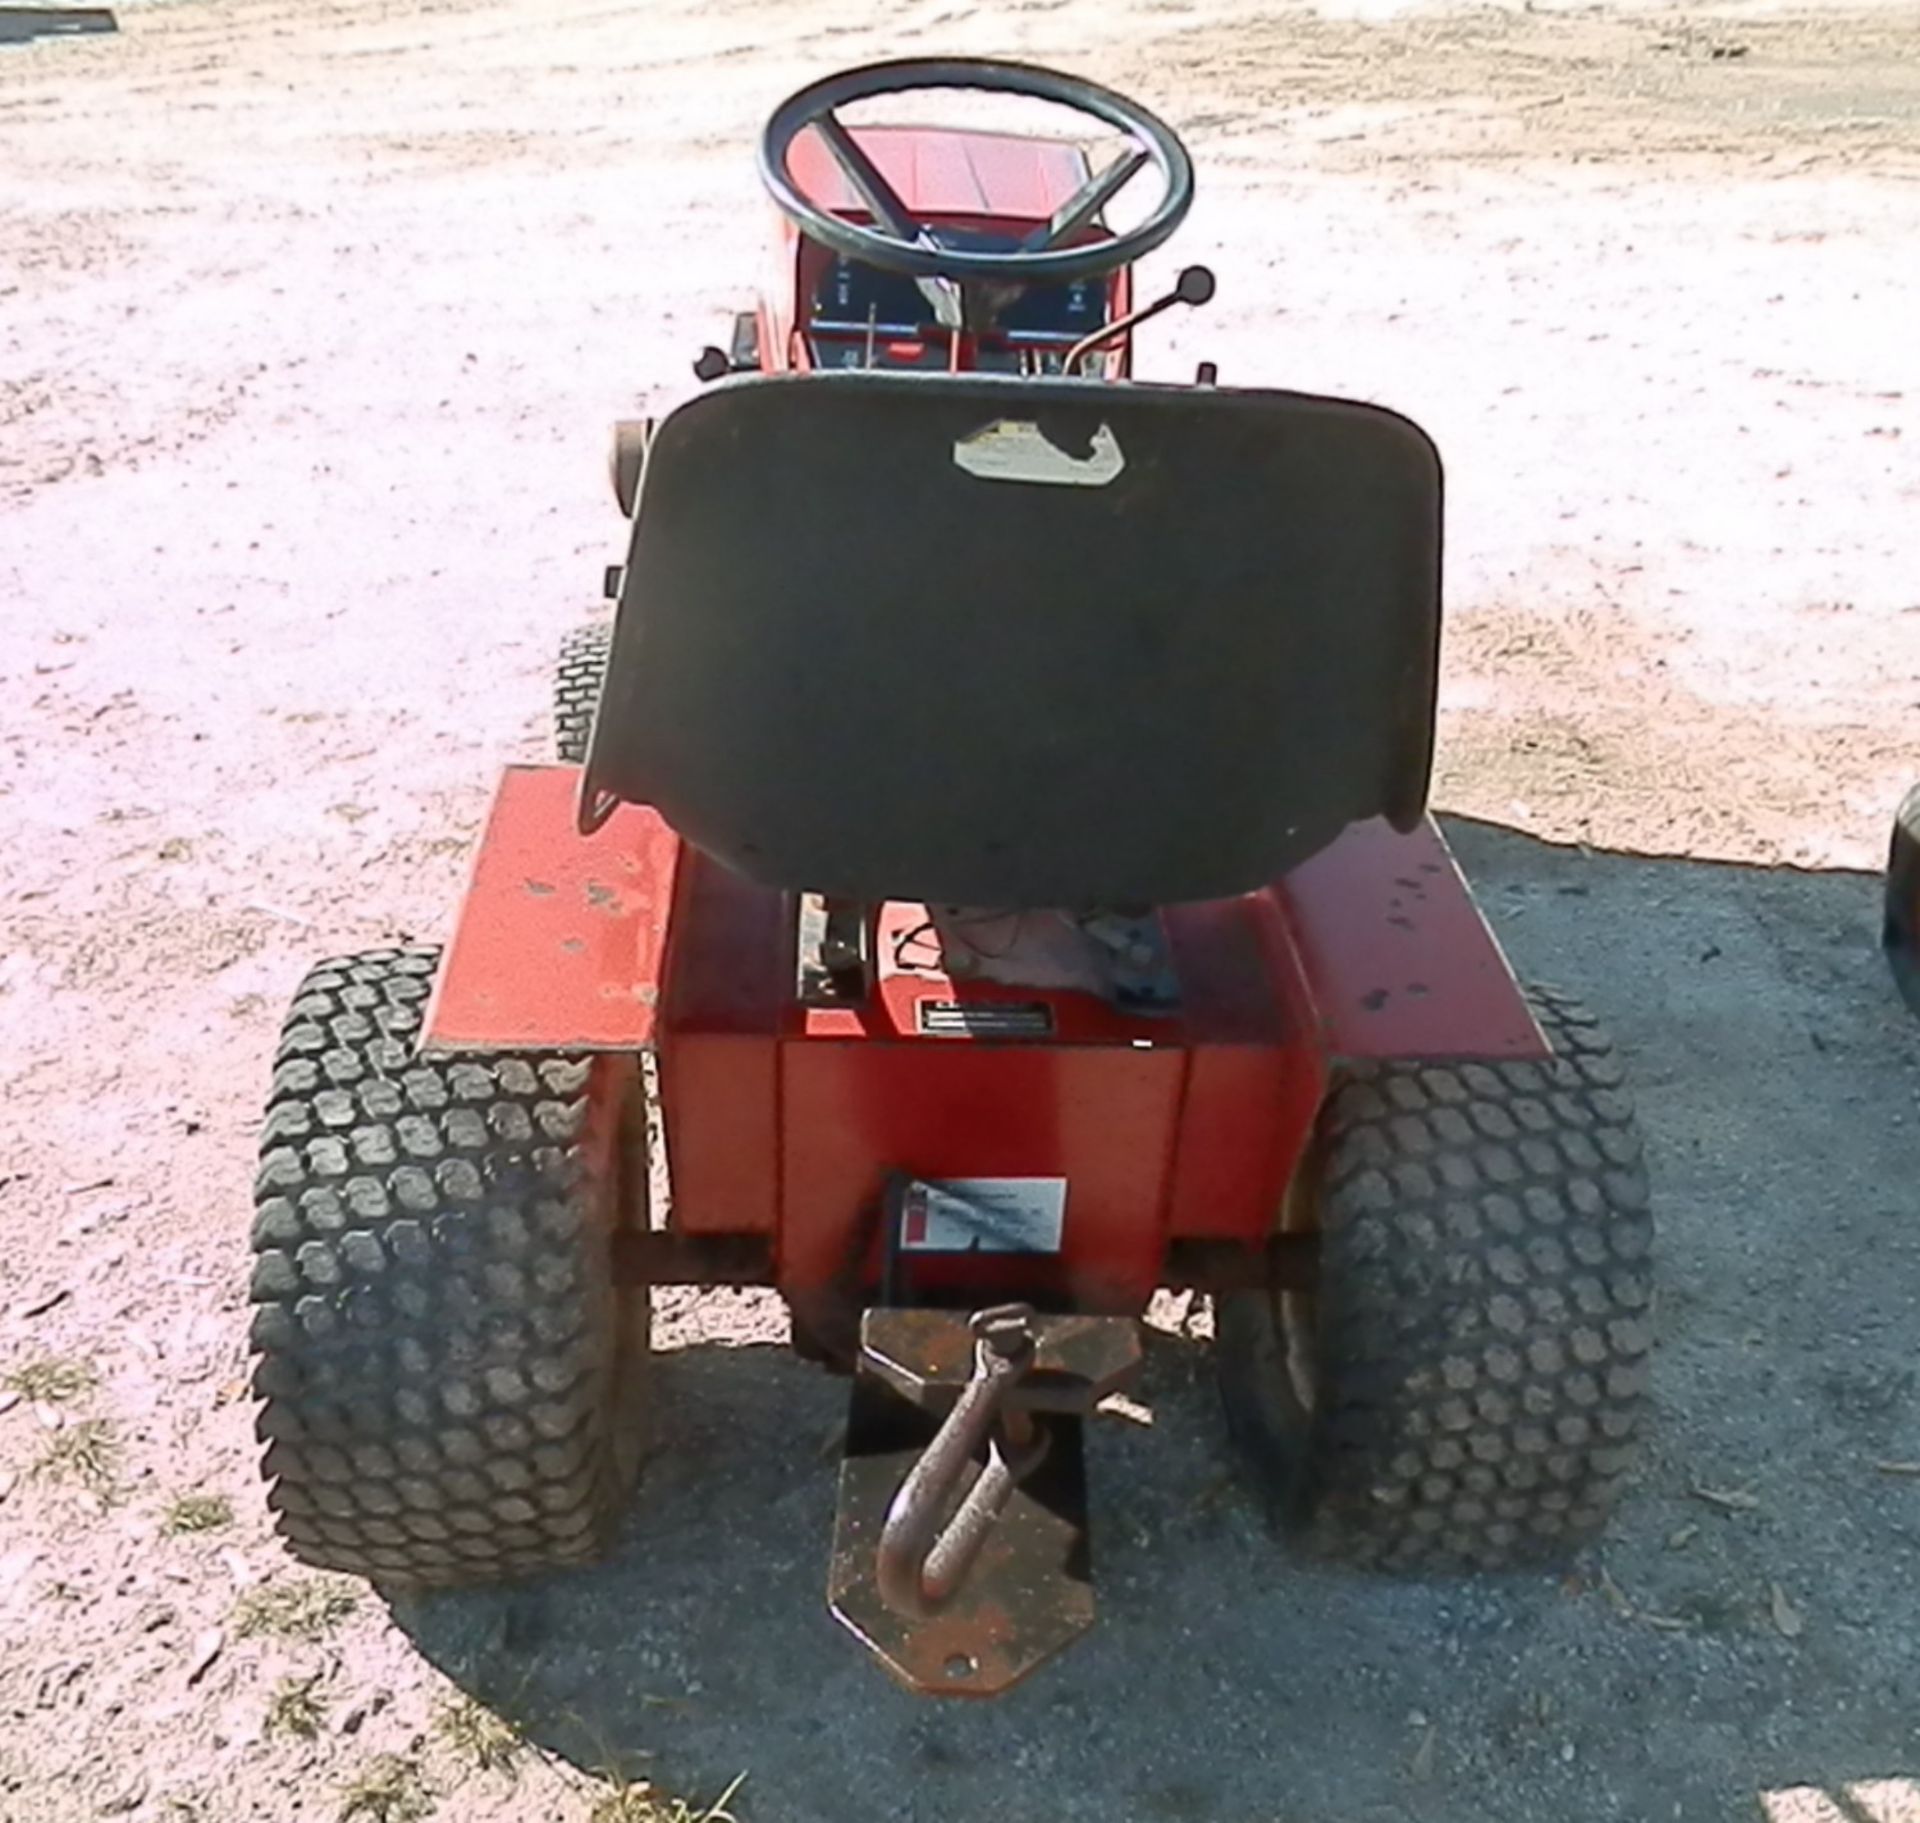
(897, 243)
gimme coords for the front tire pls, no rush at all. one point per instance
(578, 680)
(449, 1377)
(1464, 1388)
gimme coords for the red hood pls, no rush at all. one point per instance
(949, 171)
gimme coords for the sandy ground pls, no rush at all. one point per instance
(312, 317)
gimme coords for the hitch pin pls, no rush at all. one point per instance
(921, 1561)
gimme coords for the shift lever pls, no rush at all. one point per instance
(1194, 286)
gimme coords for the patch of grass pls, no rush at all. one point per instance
(643, 1804)
(474, 1733)
(295, 1709)
(198, 1513)
(388, 1789)
(308, 1610)
(53, 1380)
(87, 1455)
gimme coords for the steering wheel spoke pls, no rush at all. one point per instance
(1087, 202)
(882, 199)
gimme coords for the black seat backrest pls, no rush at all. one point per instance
(1022, 643)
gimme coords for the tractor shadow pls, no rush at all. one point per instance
(1745, 1628)
(23, 24)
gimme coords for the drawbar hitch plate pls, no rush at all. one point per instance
(960, 1554)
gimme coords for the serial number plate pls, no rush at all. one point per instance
(985, 1019)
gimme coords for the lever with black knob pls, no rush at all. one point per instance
(1195, 285)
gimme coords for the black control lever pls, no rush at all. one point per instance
(1195, 285)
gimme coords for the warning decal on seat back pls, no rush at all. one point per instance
(984, 1215)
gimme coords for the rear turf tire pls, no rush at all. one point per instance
(578, 680)
(1464, 1388)
(449, 1379)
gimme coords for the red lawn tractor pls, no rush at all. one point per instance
(992, 881)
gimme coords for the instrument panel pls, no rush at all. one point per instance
(853, 305)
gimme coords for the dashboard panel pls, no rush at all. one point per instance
(852, 304)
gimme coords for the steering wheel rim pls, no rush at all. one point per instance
(816, 106)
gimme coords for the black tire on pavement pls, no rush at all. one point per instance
(1464, 1387)
(450, 1380)
(1900, 933)
(577, 682)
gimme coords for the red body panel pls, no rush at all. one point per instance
(1256, 1077)
(1399, 960)
(788, 1121)
(726, 1008)
(1099, 1117)
(561, 940)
